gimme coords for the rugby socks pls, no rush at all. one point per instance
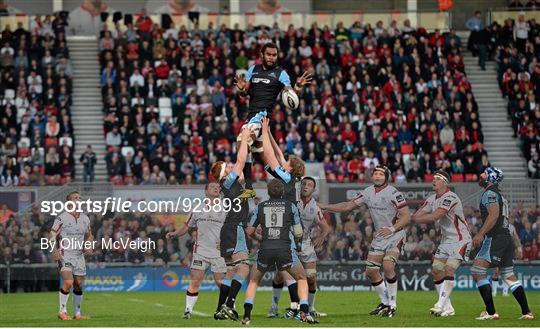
(276, 293)
(380, 287)
(77, 300)
(446, 290)
(236, 285)
(64, 296)
(293, 292)
(392, 290)
(519, 295)
(248, 306)
(191, 299)
(247, 173)
(304, 306)
(438, 285)
(223, 292)
(311, 299)
(484, 287)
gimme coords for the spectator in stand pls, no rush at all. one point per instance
(89, 160)
(474, 25)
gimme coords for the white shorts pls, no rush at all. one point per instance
(217, 265)
(454, 250)
(256, 127)
(73, 263)
(382, 245)
(307, 254)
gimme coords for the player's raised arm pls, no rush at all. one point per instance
(269, 154)
(277, 151)
(325, 229)
(242, 151)
(242, 82)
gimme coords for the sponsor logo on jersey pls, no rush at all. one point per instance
(263, 80)
(446, 202)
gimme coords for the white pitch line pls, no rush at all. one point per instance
(201, 314)
(136, 300)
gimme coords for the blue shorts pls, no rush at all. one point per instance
(497, 250)
(276, 259)
(232, 240)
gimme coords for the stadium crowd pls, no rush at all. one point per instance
(36, 134)
(382, 94)
(515, 46)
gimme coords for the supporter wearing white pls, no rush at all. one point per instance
(136, 79)
(68, 235)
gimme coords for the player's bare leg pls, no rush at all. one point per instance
(78, 297)
(373, 268)
(298, 273)
(67, 284)
(255, 279)
(311, 274)
(192, 292)
(389, 269)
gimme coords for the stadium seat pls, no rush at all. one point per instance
(407, 149)
(164, 102)
(9, 94)
(126, 150)
(457, 177)
(428, 178)
(25, 140)
(470, 177)
(447, 148)
(69, 141)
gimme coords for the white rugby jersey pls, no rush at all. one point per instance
(208, 224)
(383, 204)
(310, 215)
(453, 225)
(71, 232)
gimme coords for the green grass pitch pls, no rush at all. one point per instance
(345, 309)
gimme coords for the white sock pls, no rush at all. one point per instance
(63, 301)
(77, 301)
(311, 301)
(276, 295)
(446, 290)
(191, 299)
(392, 293)
(494, 286)
(383, 293)
(505, 289)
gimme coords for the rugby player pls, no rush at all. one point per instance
(445, 206)
(69, 235)
(263, 84)
(390, 214)
(232, 237)
(289, 172)
(497, 247)
(280, 223)
(207, 223)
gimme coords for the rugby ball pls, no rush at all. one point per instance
(290, 99)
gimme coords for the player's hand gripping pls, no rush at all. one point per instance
(477, 240)
(240, 82)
